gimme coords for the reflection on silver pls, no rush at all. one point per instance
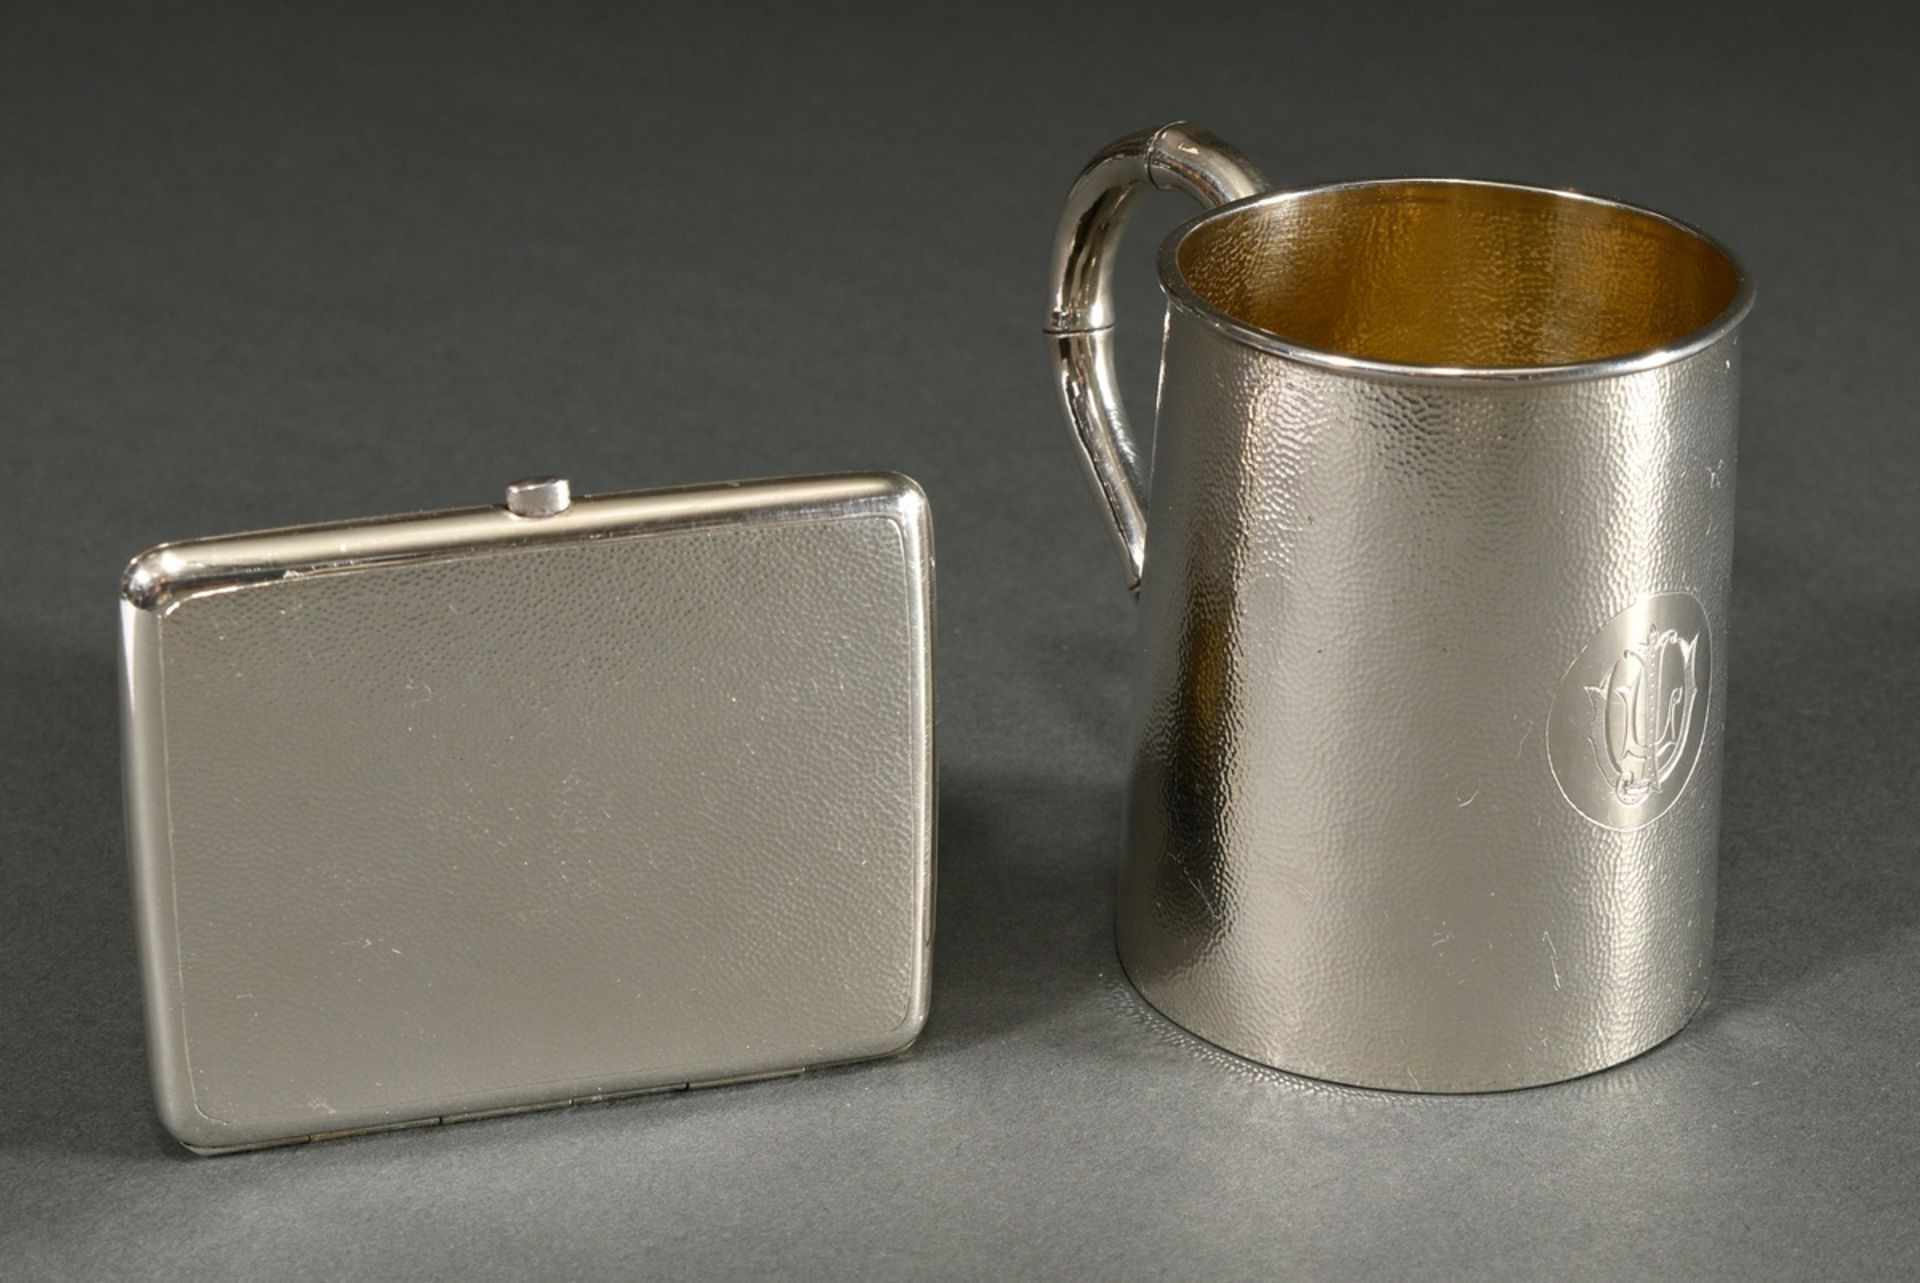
(1418, 441)
(1176, 157)
(539, 496)
(463, 813)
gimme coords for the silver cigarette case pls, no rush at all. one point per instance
(464, 813)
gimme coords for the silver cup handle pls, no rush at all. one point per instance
(1179, 157)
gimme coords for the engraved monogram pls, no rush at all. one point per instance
(1643, 713)
(1626, 726)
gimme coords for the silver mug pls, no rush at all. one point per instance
(1431, 677)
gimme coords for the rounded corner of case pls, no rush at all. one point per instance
(901, 1038)
(910, 1030)
(905, 497)
(190, 1128)
(904, 485)
(145, 581)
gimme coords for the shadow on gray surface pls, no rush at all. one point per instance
(1023, 925)
(76, 1046)
(1816, 756)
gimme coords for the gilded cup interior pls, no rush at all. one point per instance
(1451, 273)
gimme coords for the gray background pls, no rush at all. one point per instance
(259, 267)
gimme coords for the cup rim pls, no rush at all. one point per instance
(1180, 293)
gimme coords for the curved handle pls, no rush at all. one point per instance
(1180, 157)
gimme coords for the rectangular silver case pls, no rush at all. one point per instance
(472, 812)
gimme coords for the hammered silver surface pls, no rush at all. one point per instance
(1346, 852)
(545, 822)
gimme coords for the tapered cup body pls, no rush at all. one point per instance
(1431, 653)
